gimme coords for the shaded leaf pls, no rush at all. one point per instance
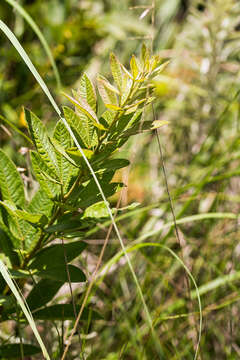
(5, 227)
(14, 350)
(113, 164)
(44, 258)
(90, 193)
(21, 274)
(59, 273)
(42, 293)
(139, 128)
(40, 203)
(64, 312)
(61, 227)
(6, 247)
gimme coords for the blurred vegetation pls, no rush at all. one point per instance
(199, 95)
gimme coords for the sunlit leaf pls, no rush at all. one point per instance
(41, 140)
(84, 108)
(145, 57)
(23, 231)
(86, 91)
(44, 175)
(97, 210)
(134, 67)
(108, 93)
(116, 70)
(10, 181)
(159, 123)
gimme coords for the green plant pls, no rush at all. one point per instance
(68, 203)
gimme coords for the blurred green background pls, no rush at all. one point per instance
(198, 94)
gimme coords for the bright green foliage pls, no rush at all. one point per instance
(68, 203)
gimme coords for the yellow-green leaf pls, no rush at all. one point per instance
(107, 91)
(159, 123)
(85, 109)
(134, 67)
(113, 107)
(86, 91)
(116, 70)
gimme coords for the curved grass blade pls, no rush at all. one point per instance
(183, 220)
(40, 35)
(22, 303)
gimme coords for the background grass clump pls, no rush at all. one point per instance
(198, 95)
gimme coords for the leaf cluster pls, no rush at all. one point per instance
(68, 203)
